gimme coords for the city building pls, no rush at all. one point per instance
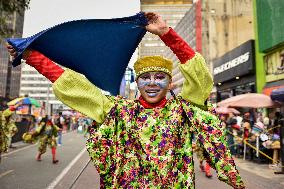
(227, 25)
(215, 28)
(170, 10)
(10, 77)
(38, 87)
(189, 28)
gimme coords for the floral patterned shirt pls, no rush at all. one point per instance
(152, 148)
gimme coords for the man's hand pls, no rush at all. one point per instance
(156, 25)
(11, 50)
(13, 53)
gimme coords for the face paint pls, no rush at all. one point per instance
(142, 83)
(154, 78)
(162, 81)
(153, 82)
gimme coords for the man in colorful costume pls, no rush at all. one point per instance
(8, 128)
(45, 133)
(147, 143)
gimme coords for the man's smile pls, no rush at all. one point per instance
(152, 92)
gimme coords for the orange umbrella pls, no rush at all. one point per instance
(249, 100)
(226, 110)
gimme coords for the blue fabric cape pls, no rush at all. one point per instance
(98, 48)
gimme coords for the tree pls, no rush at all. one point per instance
(7, 9)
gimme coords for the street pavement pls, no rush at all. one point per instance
(19, 169)
(89, 179)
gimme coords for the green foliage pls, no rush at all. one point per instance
(7, 9)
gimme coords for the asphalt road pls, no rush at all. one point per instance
(89, 179)
(19, 169)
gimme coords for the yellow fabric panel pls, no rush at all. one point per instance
(77, 92)
(198, 81)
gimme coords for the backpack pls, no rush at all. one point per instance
(57, 123)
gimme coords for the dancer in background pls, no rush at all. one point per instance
(46, 133)
(9, 127)
(200, 153)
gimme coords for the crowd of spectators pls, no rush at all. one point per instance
(262, 132)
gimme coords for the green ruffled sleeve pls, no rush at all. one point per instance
(198, 81)
(7, 125)
(77, 92)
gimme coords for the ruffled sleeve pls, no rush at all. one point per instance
(74, 90)
(198, 81)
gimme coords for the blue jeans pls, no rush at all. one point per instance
(231, 144)
(59, 137)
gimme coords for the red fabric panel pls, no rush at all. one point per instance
(44, 66)
(182, 50)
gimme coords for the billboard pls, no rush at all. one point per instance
(270, 14)
(274, 65)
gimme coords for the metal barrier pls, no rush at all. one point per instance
(255, 148)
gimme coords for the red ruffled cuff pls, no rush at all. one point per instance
(44, 66)
(182, 50)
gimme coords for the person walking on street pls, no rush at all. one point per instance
(46, 133)
(231, 122)
(8, 125)
(4, 144)
(147, 142)
(59, 122)
(200, 153)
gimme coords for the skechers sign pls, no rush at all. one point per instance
(238, 62)
(233, 63)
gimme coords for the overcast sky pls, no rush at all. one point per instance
(47, 13)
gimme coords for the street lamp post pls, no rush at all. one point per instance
(129, 78)
(47, 100)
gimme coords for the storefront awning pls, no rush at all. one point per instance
(268, 90)
(269, 87)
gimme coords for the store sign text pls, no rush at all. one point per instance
(233, 63)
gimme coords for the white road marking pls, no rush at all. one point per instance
(65, 171)
(23, 148)
(14, 151)
(6, 173)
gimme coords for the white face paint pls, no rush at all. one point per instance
(153, 84)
